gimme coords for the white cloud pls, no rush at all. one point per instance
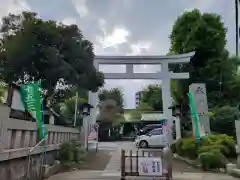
(69, 21)
(118, 36)
(13, 6)
(202, 5)
(140, 47)
(127, 4)
(81, 7)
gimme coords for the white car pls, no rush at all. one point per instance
(155, 138)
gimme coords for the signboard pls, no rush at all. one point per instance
(93, 133)
(199, 94)
(149, 166)
(237, 126)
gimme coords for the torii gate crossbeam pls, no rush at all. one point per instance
(165, 75)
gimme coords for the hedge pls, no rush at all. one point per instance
(71, 153)
(212, 152)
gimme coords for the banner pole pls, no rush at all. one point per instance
(43, 130)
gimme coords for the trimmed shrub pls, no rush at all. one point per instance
(179, 149)
(189, 148)
(66, 154)
(79, 155)
(224, 140)
(223, 121)
(220, 148)
(212, 152)
(174, 148)
(71, 153)
(231, 148)
(212, 160)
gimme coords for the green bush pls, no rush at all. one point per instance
(174, 148)
(223, 120)
(220, 148)
(222, 143)
(231, 148)
(79, 155)
(224, 140)
(189, 148)
(71, 153)
(65, 154)
(212, 160)
(179, 149)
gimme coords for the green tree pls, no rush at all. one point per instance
(135, 115)
(54, 54)
(144, 107)
(152, 96)
(3, 90)
(176, 91)
(223, 120)
(115, 94)
(206, 35)
(111, 105)
(66, 110)
(109, 111)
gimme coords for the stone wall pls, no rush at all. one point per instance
(18, 137)
(17, 169)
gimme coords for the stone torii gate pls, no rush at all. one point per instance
(165, 75)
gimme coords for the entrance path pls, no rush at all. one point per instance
(181, 171)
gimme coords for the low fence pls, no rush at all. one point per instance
(17, 137)
(148, 163)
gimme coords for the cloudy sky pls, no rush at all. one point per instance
(124, 27)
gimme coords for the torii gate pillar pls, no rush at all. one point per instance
(165, 75)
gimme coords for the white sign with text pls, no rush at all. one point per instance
(149, 166)
(237, 126)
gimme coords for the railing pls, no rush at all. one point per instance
(29, 174)
(18, 139)
(23, 134)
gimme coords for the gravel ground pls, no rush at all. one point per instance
(182, 167)
(96, 161)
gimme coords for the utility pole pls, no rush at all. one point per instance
(76, 109)
(236, 23)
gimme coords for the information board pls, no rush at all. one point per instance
(149, 166)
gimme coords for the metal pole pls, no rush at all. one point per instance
(85, 126)
(75, 112)
(237, 28)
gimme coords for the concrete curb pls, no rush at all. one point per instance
(233, 170)
(51, 170)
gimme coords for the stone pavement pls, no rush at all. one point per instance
(100, 175)
(112, 170)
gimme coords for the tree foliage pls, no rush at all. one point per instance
(3, 90)
(223, 120)
(144, 107)
(115, 94)
(66, 111)
(109, 112)
(206, 35)
(54, 54)
(135, 115)
(152, 96)
(111, 105)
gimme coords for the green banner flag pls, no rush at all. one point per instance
(31, 97)
(194, 114)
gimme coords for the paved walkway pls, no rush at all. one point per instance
(98, 175)
(112, 170)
